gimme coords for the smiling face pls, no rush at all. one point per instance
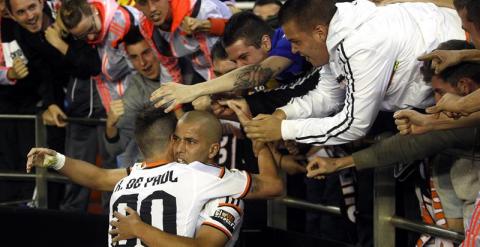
(309, 44)
(28, 14)
(157, 11)
(144, 60)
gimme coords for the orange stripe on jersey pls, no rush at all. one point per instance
(237, 208)
(154, 164)
(222, 172)
(247, 188)
(226, 232)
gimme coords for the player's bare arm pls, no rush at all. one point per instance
(267, 183)
(80, 172)
(172, 94)
(131, 226)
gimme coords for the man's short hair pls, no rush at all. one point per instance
(473, 10)
(72, 12)
(247, 26)
(453, 74)
(218, 51)
(265, 2)
(133, 36)
(153, 129)
(307, 13)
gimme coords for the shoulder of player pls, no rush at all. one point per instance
(209, 169)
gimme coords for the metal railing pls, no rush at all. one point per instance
(384, 218)
(41, 176)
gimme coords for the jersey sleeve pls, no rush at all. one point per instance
(215, 182)
(224, 214)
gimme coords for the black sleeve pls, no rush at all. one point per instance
(267, 102)
(83, 58)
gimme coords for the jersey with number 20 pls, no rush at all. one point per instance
(171, 196)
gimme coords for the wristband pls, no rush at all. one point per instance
(56, 162)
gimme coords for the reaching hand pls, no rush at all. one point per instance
(241, 110)
(412, 122)
(58, 115)
(202, 103)
(448, 104)
(40, 157)
(117, 109)
(192, 25)
(53, 35)
(171, 94)
(264, 128)
(321, 166)
(19, 69)
(125, 227)
(442, 59)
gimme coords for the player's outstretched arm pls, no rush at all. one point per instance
(78, 171)
(267, 183)
(131, 226)
(171, 94)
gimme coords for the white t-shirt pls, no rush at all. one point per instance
(171, 196)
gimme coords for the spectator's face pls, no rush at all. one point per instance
(3, 10)
(89, 27)
(310, 44)
(144, 60)
(266, 11)
(464, 87)
(28, 13)
(157, 11)
(242, 54)
(223, 66)
(470, 28)
(190, 144)
(441, 87)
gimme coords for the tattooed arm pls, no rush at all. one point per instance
(245, 77)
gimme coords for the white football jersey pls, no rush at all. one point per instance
(224, 214)
(171, 196)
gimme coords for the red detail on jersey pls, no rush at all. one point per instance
(247, 188)
(222, 172)
(154, 163)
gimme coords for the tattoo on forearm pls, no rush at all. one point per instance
(253, 76)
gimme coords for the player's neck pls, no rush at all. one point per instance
(157, 158)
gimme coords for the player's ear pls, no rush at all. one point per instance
(213, 151)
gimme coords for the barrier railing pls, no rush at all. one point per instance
(385, 220)
(41, 175)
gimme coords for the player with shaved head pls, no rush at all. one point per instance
(182, 190)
